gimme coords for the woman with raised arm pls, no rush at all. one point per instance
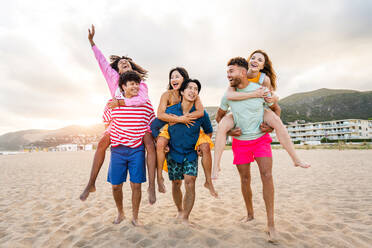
(111, 72)
(262, 72)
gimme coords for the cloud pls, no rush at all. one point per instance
(48, 71)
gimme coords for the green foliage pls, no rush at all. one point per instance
(325, 140)
(326, 105)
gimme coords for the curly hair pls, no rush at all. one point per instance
(135, 67)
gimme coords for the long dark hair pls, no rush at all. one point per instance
(135, 67)
(268, 68)
(183, 73)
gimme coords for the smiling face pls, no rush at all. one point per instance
(191, 92)
(235, 74)
(257, 62)
(176, 80)
(124, 66)
(131, 89)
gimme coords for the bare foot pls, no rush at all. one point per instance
(247, 218)
(272, 235)
(212, 191)
(215, 172)
(137, 223)
(161, 186)
(119, 219)
(88, 189)
(302, 164)
(152, 195)
(186, 222)
(179, 215)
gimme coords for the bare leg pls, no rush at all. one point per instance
(151, 165)
(177, 196)
(117, 192)
(98, 160)
(285, 140)
(224, 126)
(189, 199)
(207, 166)
(136, 201)
(161, 143)
(265, 165)
(245, 181)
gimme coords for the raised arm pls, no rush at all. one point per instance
(111, 76)
(234, 95)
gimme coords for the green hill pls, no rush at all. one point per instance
(327, 104)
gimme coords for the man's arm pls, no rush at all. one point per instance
(276, 109)
(220, 114)
(155, 127)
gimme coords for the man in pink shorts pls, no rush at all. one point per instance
(250, 143)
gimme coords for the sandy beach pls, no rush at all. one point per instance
(328, 205)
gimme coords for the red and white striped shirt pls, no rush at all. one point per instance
(128, 123)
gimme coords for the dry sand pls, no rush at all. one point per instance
(329, 205)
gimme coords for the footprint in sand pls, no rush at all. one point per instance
(219, 210)
(145, 243)
(134, 238)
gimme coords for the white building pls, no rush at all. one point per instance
(336, 130)
(67, 148)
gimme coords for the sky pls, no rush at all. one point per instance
(49, 77)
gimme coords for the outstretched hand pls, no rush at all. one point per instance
(91, 33)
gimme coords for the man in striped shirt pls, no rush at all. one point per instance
(128, 125)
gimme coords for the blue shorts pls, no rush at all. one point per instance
(124, 158)
(177, 170)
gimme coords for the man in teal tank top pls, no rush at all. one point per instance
(251, 144)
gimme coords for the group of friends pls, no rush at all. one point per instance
(182, 130)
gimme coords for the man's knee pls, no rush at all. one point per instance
(266, 175)
(245, 179)
(189, 181)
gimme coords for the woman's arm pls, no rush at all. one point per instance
(271, 97)
(111, 76)
(233, 95)
(171, 118)
(199, 112)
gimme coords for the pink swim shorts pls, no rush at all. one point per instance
(245, 151)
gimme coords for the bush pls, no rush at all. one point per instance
(325, 140)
